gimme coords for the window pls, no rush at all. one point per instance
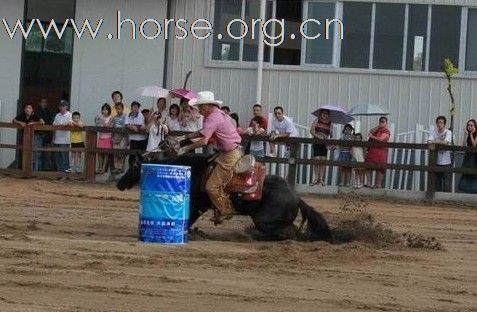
(289, 52)
(250, 46)
(36, 42)
(471, 54)
(320, 50)
(417, 38)
(388, 36)
(226, 49)
(445, 36)
(385, 36)
(357, 29)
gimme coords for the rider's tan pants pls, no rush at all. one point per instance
(220, 177)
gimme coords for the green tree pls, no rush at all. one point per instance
(450, 71)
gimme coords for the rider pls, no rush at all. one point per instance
(217, 126)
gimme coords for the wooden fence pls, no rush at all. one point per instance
(293, 161)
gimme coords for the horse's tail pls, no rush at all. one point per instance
(317, 226)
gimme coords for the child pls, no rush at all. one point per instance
(120, 140)
(137, 139)
(157, 131)
(147, 115)
(345, 155)
(257, 148)
(77, 141)
(104, 138)
(358, 155)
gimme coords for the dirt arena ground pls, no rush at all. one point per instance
(70, 246)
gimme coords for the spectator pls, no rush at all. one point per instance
(441, 135)
(105, 140)
(161, 108)
(173, 121)
(225, 109)
(62, 137)
(120, 140)
(321, 129)
(191, 121)
(135, 123)
(257, 148)
(235, 117)
(358, 156)
(43, 138)
(345, 155)
(29, 118)
(117, 98)
(378, 155)
(468, 182)
(157, 131)
(282, 127)
(77, 141)
(147, 115)
(257, 112)
(183, 104)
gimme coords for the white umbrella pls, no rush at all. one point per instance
(152, 91)
(368, 110)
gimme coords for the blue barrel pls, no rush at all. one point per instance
(164, 204)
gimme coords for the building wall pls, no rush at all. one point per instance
(101, 66)
(410, 97)
(10, 64)
(436, 2)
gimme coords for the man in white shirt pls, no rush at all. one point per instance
(135, 122)
(281, 127)
(62, 137)
(441, 135)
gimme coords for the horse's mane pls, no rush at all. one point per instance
(195, 161)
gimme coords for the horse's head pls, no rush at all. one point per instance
(166, 151)
(132, 176)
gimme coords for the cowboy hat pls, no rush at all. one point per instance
(205, 97)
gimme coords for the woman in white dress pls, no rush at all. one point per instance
(157, 131)
(191, 120)
(173, 121)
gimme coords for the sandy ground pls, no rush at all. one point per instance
(71, 246)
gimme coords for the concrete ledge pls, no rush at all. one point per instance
(462, 197)
(387, 193)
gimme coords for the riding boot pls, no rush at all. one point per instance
(223, 212)
(219, 218)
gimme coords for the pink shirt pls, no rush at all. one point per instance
(219, 127)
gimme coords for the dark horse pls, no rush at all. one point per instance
(273, 216)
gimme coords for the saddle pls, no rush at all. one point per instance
(247, 180)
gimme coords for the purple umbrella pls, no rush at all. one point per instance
(183, 94)
(337, 114)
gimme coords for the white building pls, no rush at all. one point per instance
(390, 55)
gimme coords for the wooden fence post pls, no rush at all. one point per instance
(27, 158)
(431, 174)
(90, 155)
(292, 165)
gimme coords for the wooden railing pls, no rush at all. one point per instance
(293, 161)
